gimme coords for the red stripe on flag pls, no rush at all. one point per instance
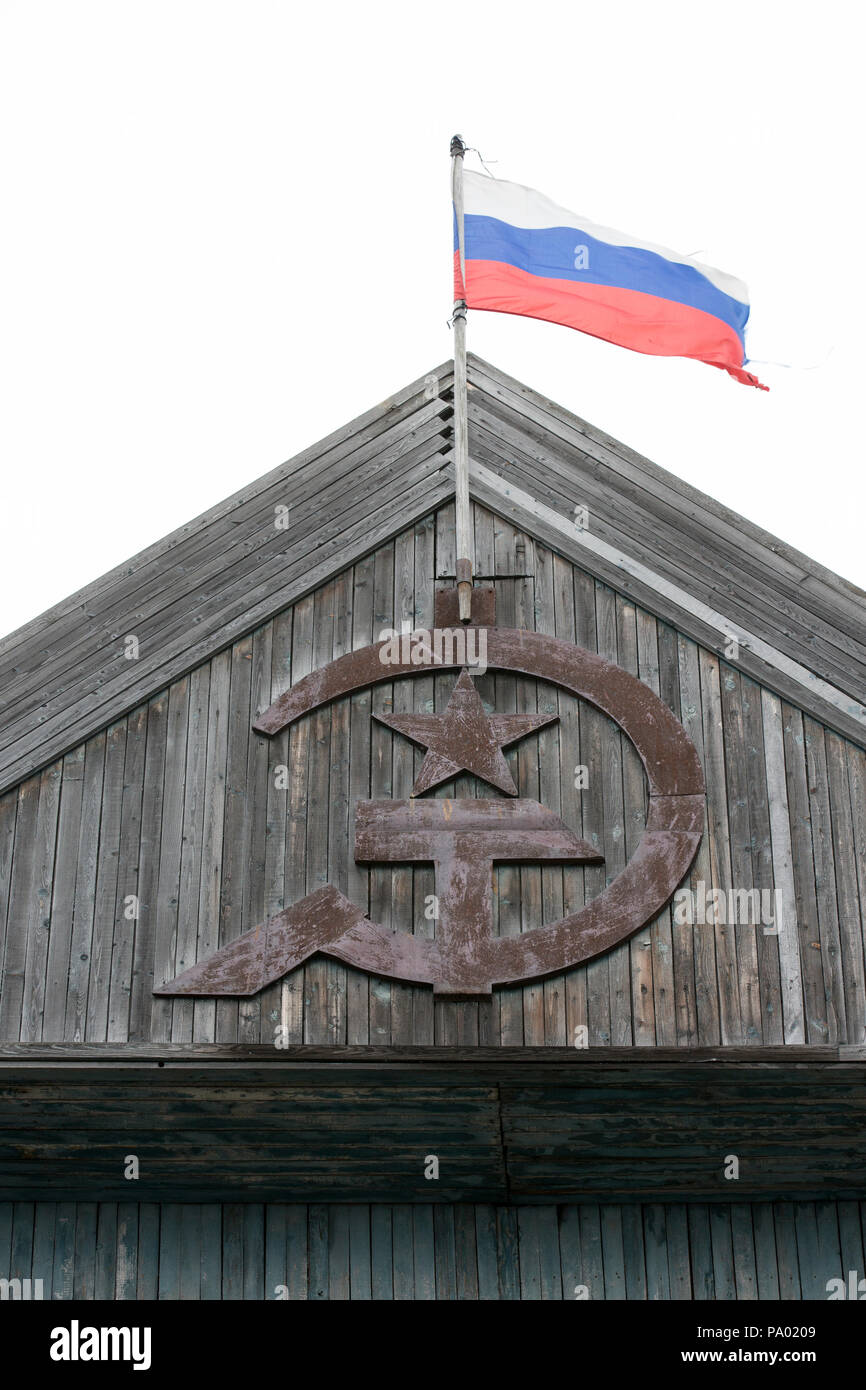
(642, 322)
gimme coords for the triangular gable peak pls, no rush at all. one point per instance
(798, 628)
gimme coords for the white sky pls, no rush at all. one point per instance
(226, 229)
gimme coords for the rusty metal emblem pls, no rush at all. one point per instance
(463, 838)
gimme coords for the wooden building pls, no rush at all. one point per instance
(681, 1116)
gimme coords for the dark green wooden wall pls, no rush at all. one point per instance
(106, 1250)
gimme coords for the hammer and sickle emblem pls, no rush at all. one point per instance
(464, 838)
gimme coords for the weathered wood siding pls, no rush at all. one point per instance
(176, 805)
(256, 1251)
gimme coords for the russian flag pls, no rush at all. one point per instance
(524, 255)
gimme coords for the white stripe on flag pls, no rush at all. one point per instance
(524, 207)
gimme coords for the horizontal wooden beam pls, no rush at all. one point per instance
(358, 1124)
(266, 1054)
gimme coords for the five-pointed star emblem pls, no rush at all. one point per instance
(464, 738)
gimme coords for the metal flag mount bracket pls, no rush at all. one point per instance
(463, 838)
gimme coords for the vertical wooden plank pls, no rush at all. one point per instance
(745, 1272)
(618, 960)
(169, 1254)
(786, 1250)
(548, 1253)
(105, 923)
(702, 938)
(682, 935)
(403, 1248)
(443, 1235)
(423, 884)
(297, 1250)
(485, 564)
(63, 1278)
(594, 729)
(340, 818)
(656, 1251)
(84, 1273)
(723, 1252)
(817, 1021)
(845, 862)
(574, 1285)
(612, 1252)
(141, 998)
(738, 766)
(812, 1281)
(105, 1276)
(317, 1252)
(23, 1226)
(212, 846)
(277, 817)
(85, 892)
(718, 842)
(276, 1242)
(254, 1252)
(381, 1254)
(359, 1253)
(190, 1252)
(851, 1246)
(124, 916)
(43, 1245)
(830, 1263)
(761, 846)
(592, 1249)
(357, 877)
(660, 931)
(233, 1250)
(339, 1268)
(24, 902)
(508, 1253)
(857, 785)
(818, 783)
(527, 778)
(211, 1251)
(635, 807)
(404, 700)
(126, 1273)
(570, 756)
(381, 702)
(548, 749)
(487, 1248)
(292, 989)
(633, 1252)
(466, 1251)
(252, 1026)
(8, 816)
(316, 1026)
(677, 1240)
(22, 907)
(766, 1260)
(171, 845)
(37, 921)
(234, 866)
(424, 1253)
(530, 1266)
(783, 871)
(149, 1219)
(506, 877)
(700, 1245)
(192, 848)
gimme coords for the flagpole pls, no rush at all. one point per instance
(461, 424)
